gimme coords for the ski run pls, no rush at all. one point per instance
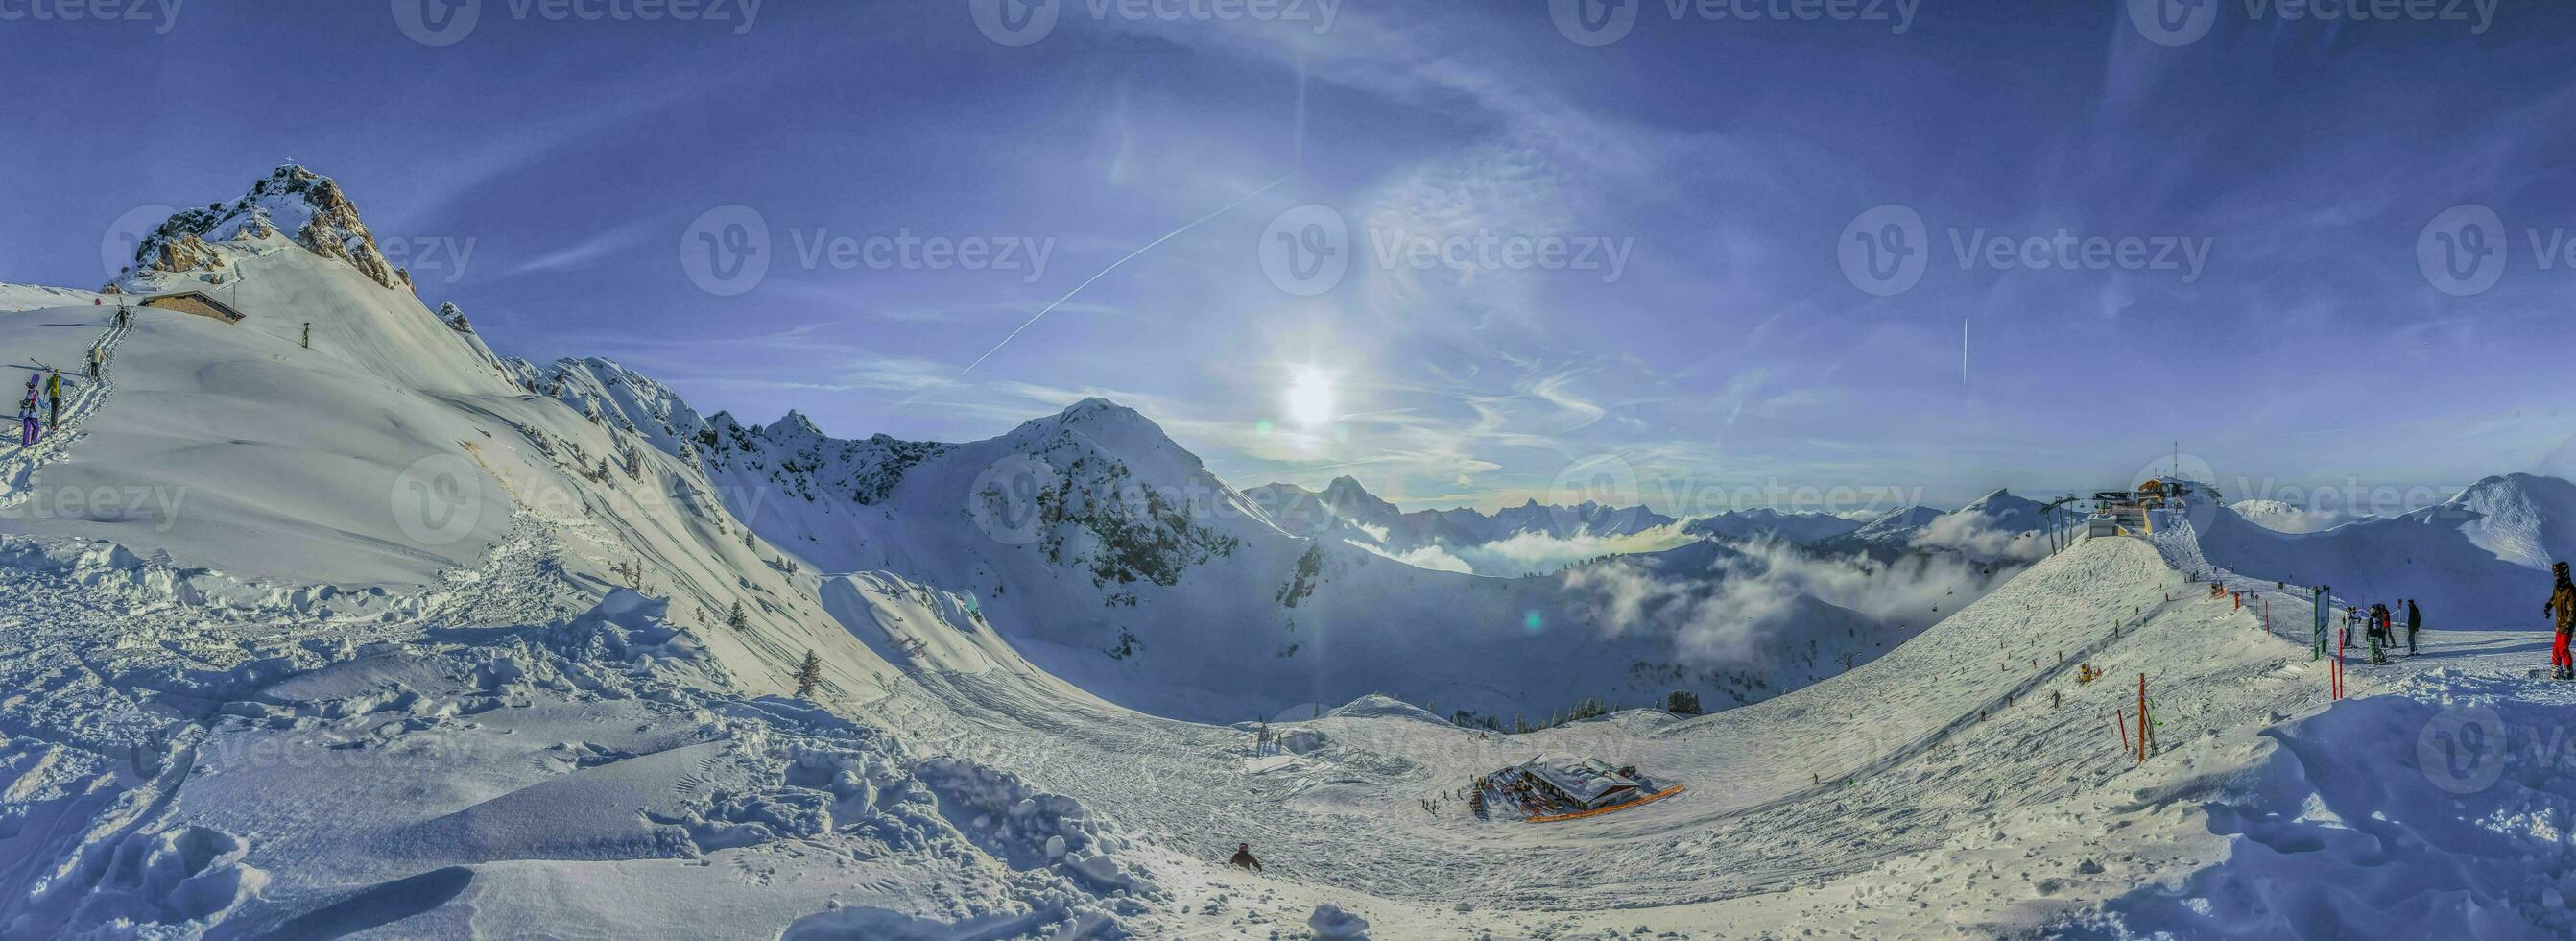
(328, 621)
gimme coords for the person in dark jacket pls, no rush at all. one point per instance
(2414, 622)
(2562, 607)
(1243, 858)
(2378, 634)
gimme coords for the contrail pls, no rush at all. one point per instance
(1104, 272)
(1963, 352)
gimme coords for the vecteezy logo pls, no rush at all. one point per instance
(117, 248)
(1884, 250)
(726, 251)
(2461, 251)
(2173, 22)
(1604, 479)
(437, 500)
(1306, 250)
(2462, 749)
(1015, 22)
(2199, 507)
(1594, 22)
(436, 23)
(1008, 500)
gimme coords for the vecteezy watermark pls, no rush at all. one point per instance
(727, 251)
(155, 505)
(1599, 480)
(1886, 249)
(120, 245)
(1307, 250)
(906, 250)
(2189, 484)
(2462, 750)
(443, 255)
(2465, 249)
(436, 23)
(1008, 499)
(2183, 22)
(1024, 22)
(162, 14)
(2173, 22)
(437, 500)
(1610, 480)
(1602, 22)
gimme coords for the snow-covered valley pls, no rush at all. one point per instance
(330, 621)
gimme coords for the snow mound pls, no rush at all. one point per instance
(2438, 811)
(1374, 706)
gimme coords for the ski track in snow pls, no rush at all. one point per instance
(21, 464)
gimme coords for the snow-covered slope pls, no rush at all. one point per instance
(1113, 559)
(2280, 516)
(2478, 560)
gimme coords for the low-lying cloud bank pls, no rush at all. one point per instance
(1533, 553)
(1962, 532)
(1750, 607)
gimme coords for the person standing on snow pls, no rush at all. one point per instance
(2562, 607)
(53, 397)
(2380, 637)
(27, 416)
(2414, 622)
(1243, 858)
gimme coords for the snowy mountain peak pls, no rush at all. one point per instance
(1352, 501)
(1107, 424)
(292, 201)
(792, 426)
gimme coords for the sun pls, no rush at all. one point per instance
(1310, 397)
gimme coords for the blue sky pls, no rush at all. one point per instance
(1555, 256)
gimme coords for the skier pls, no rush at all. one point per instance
(1243, 858)
(53, 397)
(2414, 622)
(2561, 607)
(27, 416)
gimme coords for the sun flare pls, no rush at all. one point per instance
(1310, 398)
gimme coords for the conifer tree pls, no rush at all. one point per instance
(735, 618)
(809, 675)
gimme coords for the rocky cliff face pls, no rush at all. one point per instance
(291, 199)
